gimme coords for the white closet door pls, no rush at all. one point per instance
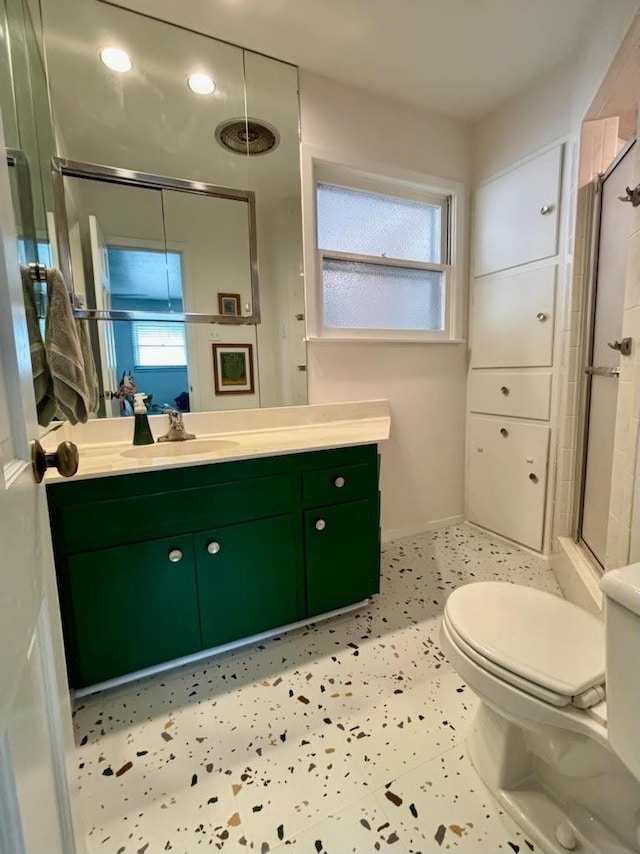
(512, 320)
(507, 478)
(516, 215)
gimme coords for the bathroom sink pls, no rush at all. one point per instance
(189, 448)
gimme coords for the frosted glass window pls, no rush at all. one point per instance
(374, 296)
(159, 345)
(380, 226)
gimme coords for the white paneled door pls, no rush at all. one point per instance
(507, 477)
(611, 270)
(516, 215)
(35, 717)
(512, 319)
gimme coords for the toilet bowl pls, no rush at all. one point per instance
(561, 754)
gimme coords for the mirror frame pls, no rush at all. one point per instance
(61, 168)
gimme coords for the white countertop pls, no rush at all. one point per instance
(104, 450)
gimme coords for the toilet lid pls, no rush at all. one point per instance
(540, 637)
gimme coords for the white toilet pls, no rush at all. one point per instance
(562, 760)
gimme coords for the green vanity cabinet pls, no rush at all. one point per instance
(342, 552)
(249, 578)
(155, 566)
(133, 606)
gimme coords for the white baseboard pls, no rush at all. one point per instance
(578, 578)
(389, 534)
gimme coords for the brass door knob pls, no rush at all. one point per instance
(339, 482)
(321, 525)
(65, 460)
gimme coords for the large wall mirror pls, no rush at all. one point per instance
(166, 188)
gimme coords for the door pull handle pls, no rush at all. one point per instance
(623, 347)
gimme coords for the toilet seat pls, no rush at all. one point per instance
(537, 642)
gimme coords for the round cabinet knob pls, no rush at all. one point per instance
(175, 555)
(504, 432)
(546, 209)
(321, 525)
(339, 482)
(213, 548)
(533, 477)
(504, 389)
(541, 316)
(480, 449)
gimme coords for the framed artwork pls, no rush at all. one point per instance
(229, 304)
(233, 368)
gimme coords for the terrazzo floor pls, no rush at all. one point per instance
(347, 736)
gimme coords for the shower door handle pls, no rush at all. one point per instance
(602, 372)
(623, 347)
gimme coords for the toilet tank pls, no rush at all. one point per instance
(621, 588)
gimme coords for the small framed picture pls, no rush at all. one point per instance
(229, 304)
(233, 368)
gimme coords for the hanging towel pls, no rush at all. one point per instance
(64, 352)
(91, 375)
(42, 379)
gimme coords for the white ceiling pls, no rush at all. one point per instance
(457, 57)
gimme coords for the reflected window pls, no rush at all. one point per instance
(159, 345)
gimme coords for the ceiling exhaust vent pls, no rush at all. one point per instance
(247, 136)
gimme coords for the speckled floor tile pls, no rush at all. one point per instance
(362, 827)
(443, 805)
(251, 749)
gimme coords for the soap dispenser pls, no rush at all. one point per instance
(141, 431)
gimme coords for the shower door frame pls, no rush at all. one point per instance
(588, 338)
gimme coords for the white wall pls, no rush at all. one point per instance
(422, 464)
(555, 104)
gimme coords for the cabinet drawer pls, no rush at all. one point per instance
(523, 395)
(516, 215)
(340, 483)
(512, 320)
(506, 478)
(127, 520)
(132, 607)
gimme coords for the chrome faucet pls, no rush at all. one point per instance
(176, 431)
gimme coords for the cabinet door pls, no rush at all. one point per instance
(133, 606)
(516, 215)
(250, 578)
(506, 478)
(342, 555)
(512, 320)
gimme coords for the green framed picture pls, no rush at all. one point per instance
(233, 368)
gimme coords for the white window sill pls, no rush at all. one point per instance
(326, 339)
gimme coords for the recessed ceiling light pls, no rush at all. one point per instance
(116, 59)
(201, 84)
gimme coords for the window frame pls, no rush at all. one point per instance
(136, 349)
(320, 168)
